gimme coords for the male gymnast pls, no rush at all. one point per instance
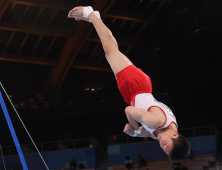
(158, 121)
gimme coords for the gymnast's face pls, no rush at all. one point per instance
(166, 142)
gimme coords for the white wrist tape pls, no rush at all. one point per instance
(86, 11)
(97, 14)
(138, 131)
(134, 134)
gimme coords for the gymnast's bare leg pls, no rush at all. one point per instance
(115, 58)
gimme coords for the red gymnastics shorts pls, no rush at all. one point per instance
(132, 81)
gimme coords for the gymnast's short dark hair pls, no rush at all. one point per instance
(181, 149)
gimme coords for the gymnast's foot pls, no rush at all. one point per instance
(80, 12)
(76, 12)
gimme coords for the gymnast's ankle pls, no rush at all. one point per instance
(97, 14)
(86, 11)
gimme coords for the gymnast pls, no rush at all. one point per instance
(157, 120)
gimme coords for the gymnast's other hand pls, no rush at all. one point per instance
(128, 129)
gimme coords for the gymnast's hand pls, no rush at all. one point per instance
(77, 13)
(128, 129)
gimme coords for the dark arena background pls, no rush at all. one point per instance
(55, 72)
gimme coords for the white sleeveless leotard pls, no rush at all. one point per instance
(146, 101)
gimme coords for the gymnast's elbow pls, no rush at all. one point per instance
(129, 109)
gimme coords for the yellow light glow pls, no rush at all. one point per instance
(92, 89)
(99, 88)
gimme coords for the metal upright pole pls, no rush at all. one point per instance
(13, 132)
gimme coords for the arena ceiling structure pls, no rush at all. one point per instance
(39, 32)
